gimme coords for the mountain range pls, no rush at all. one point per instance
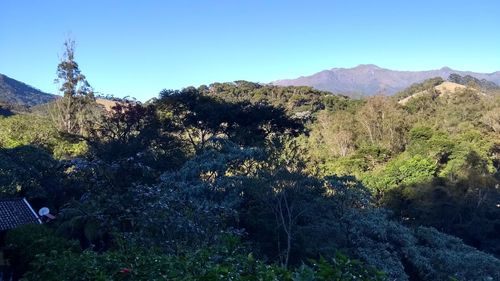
(362, 80)
(369, 79)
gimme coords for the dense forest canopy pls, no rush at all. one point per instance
(243, 181)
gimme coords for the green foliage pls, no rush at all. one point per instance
(417, 134)
(223, 263)
(242, 181)
(28, 171)
(134, 131)
(453, 207)
(433, 262)
(197, 118)
(338, 268)
(38, 131)
(379, 124)
(27, 243)
(470, 157)
(402, 171)
(73, 111)
(296, 100)
(461, 111)
(363, 160)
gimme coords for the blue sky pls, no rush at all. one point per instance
(137, 48)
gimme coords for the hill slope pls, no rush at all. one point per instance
(20, 94)
(443, 88)
(366, 80)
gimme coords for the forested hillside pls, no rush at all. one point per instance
(242, 181)
(16, 93)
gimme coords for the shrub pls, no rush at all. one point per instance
(27, 243)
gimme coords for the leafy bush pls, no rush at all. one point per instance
(28, 171)
(401, 171)
(27, 243)
(207, 264)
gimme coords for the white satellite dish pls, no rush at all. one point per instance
(44, 211)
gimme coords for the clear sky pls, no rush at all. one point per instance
(137, 48)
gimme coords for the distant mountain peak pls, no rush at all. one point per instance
(370, 79)
(370, 66)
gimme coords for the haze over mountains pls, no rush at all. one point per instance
(369, 79)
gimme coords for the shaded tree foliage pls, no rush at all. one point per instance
(198, 118)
